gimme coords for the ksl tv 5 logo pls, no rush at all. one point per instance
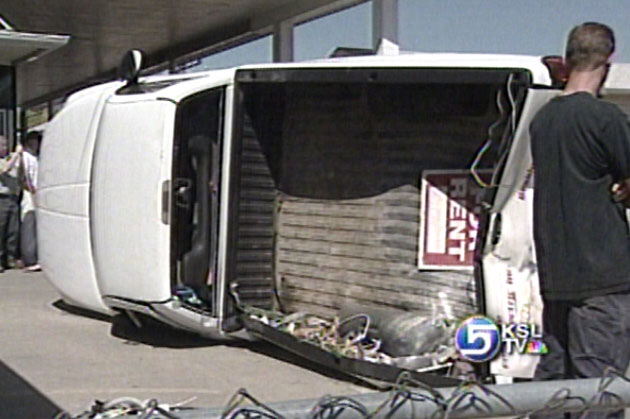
(479, 339)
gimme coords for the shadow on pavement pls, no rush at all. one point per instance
(63, 306)
(19, 399)
(157, 334)
(152, 332)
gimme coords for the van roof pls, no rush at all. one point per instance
(540, 73)
(188, 84)
(177, 87)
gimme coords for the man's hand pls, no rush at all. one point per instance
(621, 192)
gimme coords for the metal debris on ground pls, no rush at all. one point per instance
(354, 336)
(126, 407)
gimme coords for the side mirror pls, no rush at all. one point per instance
(131, 65)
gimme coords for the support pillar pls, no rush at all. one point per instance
(283, 41)
(384, 21)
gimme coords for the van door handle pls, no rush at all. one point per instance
(166, 207)
(182, 190)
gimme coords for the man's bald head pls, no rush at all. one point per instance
(589, 46)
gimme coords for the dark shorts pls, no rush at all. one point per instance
(584, 339)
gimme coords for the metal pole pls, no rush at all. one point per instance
(384, 21)
(465, 402)
(283, 41)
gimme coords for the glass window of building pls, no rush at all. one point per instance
(56, 105)
(348, 28)
(36, 116)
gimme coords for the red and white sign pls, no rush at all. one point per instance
(449, 218)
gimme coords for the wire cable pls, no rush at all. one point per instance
(511, 120)
(233, 409)
(329, 407)
(610, 375)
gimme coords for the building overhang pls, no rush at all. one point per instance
(20, 47)
(102, 31)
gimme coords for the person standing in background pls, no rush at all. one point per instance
(9, 206)
(581, 153)
(28, 180)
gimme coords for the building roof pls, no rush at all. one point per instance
(102, 30)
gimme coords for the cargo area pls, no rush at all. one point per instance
(327, 208)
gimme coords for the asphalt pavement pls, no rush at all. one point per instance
(54, 358)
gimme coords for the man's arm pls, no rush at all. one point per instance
(621, 192)
(14, 160)
(616, 142)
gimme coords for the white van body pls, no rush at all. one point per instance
(108, 200)
(93, 179)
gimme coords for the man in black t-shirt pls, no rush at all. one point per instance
(581, 152)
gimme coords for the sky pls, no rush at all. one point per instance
(537, 27)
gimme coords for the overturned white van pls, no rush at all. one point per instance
(300, 187)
